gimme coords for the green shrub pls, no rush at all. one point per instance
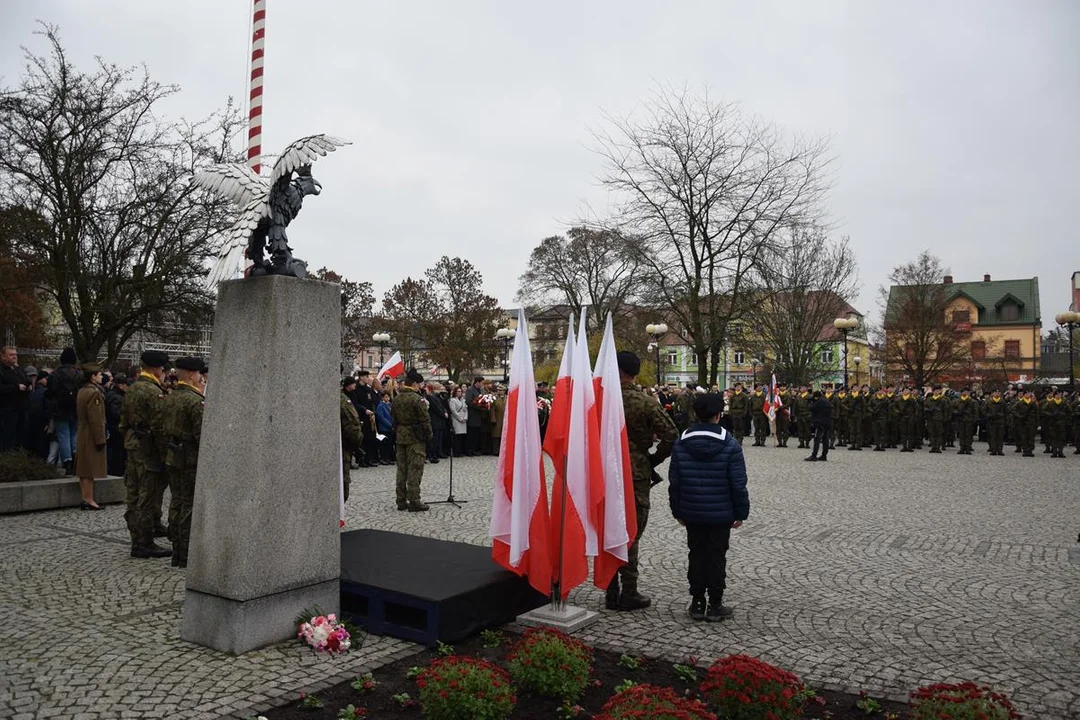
(18, 466)
(465, 688)
(550, 663)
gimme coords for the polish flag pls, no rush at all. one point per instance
(577, 493)
(393, 368)
(519, 514)
(776, 401)
(617, 515)
(559, 419)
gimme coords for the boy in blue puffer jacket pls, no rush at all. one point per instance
(707, 491)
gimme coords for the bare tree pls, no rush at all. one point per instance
(805, 281)
(357, 310)
(589, 268)
(447, 316)
(917, 337)
(707, 190)
(97, 202)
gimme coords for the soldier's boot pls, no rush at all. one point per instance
(697, 607)
(161, 531)
(418, 506)
(611, 595)
(717, 610)
(150, 550)
(631, 599)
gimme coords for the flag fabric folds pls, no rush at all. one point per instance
(774, 401)
(617, 513)
(393, 368)
(519, 518)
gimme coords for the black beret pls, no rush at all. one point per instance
(347, 381)
(628, 362)
(190, 363)
(154, 359)
(414, 376)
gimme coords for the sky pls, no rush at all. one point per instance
(954, 124)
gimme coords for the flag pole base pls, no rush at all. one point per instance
(567, 618)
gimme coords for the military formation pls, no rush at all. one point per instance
(905, 419)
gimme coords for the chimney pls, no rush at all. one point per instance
(948, 279)
(986, 278)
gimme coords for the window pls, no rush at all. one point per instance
(673, 358)
(826, 356)
(739, 357)
(1009, 312)
(961, 316)
(693, 360)
(978, 350)
(371, 361)
(1012, 349)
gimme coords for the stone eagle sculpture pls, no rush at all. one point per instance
(265, 206)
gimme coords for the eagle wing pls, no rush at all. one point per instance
(305, 151)
(237, 183)
(230, 260)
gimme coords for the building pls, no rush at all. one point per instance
(996, 326)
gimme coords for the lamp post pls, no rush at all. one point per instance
(381, 338)
(845, 324)
(506, 336)
(857, 359)
(656, 331)
(1069, 319)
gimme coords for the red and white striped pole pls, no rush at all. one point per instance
(255, 101)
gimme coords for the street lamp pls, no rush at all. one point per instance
(506, 336)
(656, 332)
(845, 324)
(857, 359)
(1069, 318)
(381, 338)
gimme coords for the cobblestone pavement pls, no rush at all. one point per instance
(875, 571)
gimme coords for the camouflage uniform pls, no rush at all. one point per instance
(783, 421)
(1075, 409)
(840, 423)
(684, 409)
(646, 423)
(412, 424)
(881, 407)
(935, 408)
(181, 421)
(802, 418)
(855, 408)
(966, 419)
(1025, 420)
(894, 419)
(950, 420)
(761, 420)
(144, 477)
(995, 425)
(737, 408)
(1056, 422)
(352, 437)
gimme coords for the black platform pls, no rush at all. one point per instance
(427, 590)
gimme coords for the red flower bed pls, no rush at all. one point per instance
(740, 687)
(963, 701)
(654, 703)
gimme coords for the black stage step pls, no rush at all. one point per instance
(426, 590)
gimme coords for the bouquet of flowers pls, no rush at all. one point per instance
(543, 406)
(485, 401)
(323, 633)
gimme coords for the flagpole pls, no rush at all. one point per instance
(556, 583)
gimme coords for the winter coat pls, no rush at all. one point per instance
(90, 461)
(821, 413)
(707, 477)
(383, 420)
(459, 414)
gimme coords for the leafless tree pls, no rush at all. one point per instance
(805, 281)
(95, 187)
(917, 338)
(708, 190)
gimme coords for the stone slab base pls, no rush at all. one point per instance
(236, 626)
(56, 493)
(568, 618)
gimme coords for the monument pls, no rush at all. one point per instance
(265, 537)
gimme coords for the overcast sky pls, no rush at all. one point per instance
(956, 124)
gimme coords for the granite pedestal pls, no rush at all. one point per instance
(265, 539)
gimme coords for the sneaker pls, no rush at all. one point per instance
(697, 607)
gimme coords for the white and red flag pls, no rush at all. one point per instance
(519, 515)
(394, 367)
(617, 515)
(773, 401)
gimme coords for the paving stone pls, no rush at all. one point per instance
(878, 572)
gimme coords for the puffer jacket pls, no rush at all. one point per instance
(707, 477)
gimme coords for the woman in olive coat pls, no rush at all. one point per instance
(90, 459)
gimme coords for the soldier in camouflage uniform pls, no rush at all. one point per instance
(737, 408)
(906, 412)
(181, 422)
(894, 417)
(783, 418)
(881, 407)
(1056, 420)
(966, 419)
(761, 419)
(854, 413)
(646, 423)
(840, 422)
(1025, 420)
(684, 407)
(802, 417)
(412, 424)
(996, 411)
(1074, 408)
(144, 477)
(952, 423)
(352, 434)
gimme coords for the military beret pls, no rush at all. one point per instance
(154, 359)
(190, 363)
(414, 376)
(628, 362)
(347, 381)
(91, 367)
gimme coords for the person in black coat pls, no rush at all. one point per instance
(821, 421)
(15, 389)
(707, 493)
(439, 413)
(114, 400)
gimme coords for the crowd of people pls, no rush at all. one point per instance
(896, 417)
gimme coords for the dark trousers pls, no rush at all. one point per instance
(434, 445)
(12, 428)
(707, 567)
(458, 446)
(822, 440)
(117, 454)
(472, 440)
